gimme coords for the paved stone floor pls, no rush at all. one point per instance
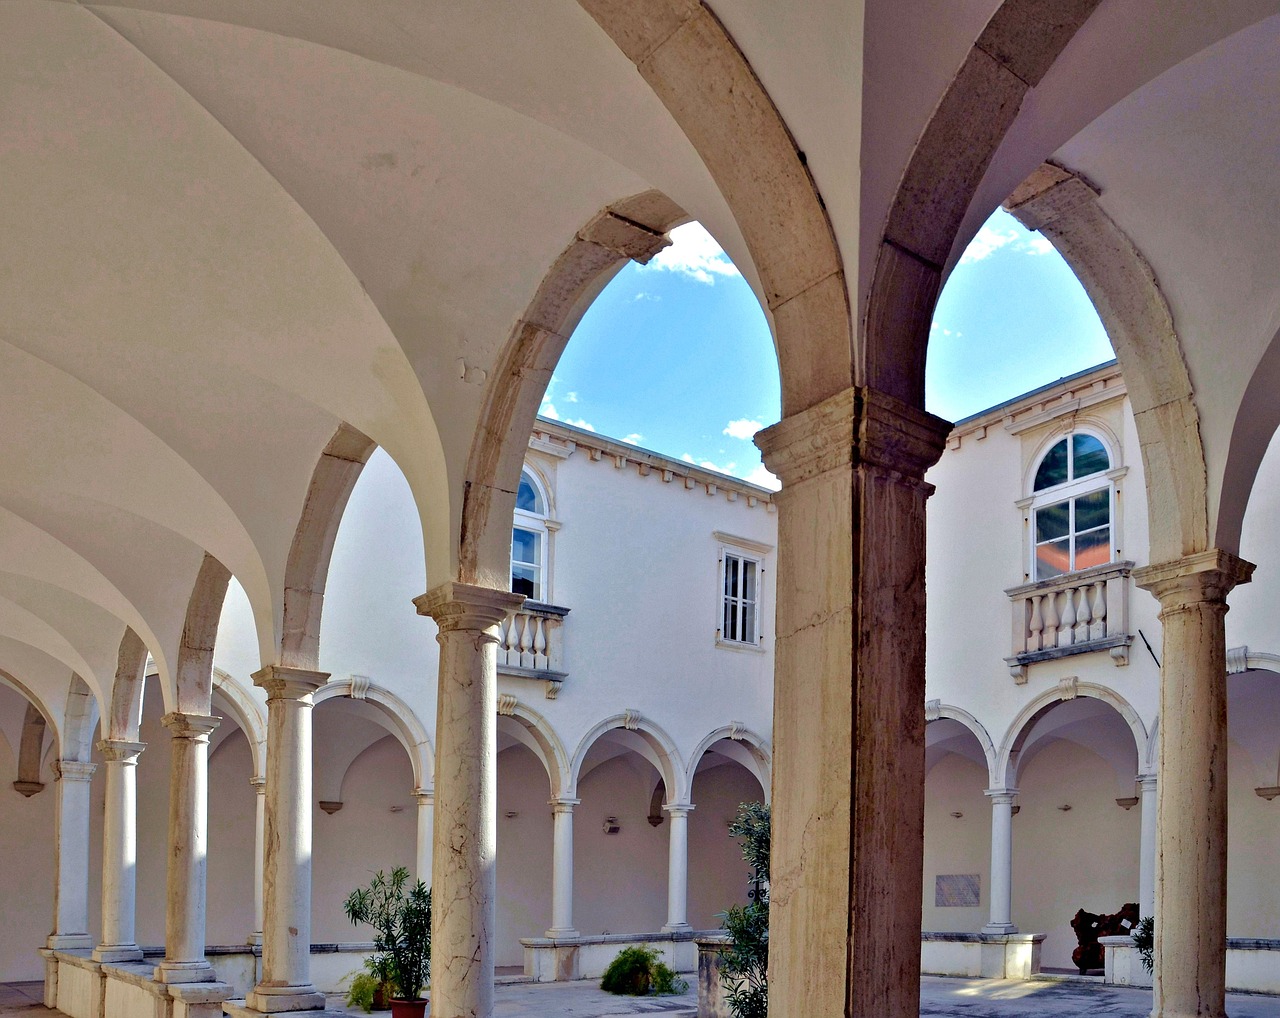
(945, 998)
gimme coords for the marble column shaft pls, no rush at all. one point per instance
(1191, 794)
(463, 882)
(184, 928)
(562, 868)
(426, 827)
(259, 849)
(678, 868)
(119, 852)
(1001, 893)
(848, 736)
(71, 857)
(286, 863)
(1148, 784)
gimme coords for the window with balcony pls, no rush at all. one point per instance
(1071, 511)
(529, 541)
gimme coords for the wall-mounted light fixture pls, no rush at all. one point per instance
(330, 806)
(1268, 792)
(1128, 802)
(511, 814)
(611, 825)
(1066, 808)
(957, 814)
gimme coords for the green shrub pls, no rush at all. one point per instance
(360, 992)
(636, 971)
(400, 914)
(1144, 938)
(744, 961)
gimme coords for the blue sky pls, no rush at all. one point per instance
(676, 356)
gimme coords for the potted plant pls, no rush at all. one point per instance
(401, 919)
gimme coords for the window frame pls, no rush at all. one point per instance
(744, 550)
(1069, 492)
(540, 525)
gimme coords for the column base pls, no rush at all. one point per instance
(115, 953)
(255, 939)
(185, 972)
(999, 929)
(677, 928)
(276, 999)
(70, 942)
(561, 933)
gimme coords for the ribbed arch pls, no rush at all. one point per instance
(753, 754)
(402, 722)
(938, 711)
(650, 741)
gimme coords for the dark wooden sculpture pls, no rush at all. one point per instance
(1089, 927)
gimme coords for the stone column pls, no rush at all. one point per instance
(562, 868)
(119, 852)
(466, 833)
(259, 847)
(286, 863)
(1001, 893)
(426, 824)
(1191, 794)
(678, 868)
(71, 857)
(184, 920)
(848, 736)
(1147, 850)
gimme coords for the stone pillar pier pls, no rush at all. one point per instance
(71, 857)
(848, 736)
(184, 920)
(1001, 861)
(1191, 855)
(678, 869)
(119, 852)
(562, 868)
(286, 864)
(1147, 846)
(426, 826)
(466, 833)
(259, 848)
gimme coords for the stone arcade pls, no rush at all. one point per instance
(246, 244)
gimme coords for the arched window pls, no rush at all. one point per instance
(1071, 509)
(529, 541)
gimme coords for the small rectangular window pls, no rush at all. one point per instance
(740, 605)
(526, 562)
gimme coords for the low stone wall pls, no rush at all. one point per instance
(981, 955)
(712, 999)
(558, 959)
(1253, 966)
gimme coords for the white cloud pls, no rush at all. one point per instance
(761, 476)
(742, 428)
(642, 295)
(1037, 244)
(571, 397)
(989, 240)
(634, 439)
(693, 253)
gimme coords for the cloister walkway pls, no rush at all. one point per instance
(939, 998)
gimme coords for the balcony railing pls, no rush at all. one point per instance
(531, 645)
(1071, 614)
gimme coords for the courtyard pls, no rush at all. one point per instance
(946, 998)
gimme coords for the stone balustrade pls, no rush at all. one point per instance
(531, 645)
(1071, 614)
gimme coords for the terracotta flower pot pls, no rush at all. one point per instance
(408, 1008)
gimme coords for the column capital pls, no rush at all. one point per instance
(1003, 796)
(425, 796)
(190, 726)
(1148, 782)
(74, 770)
(120, 751)
(678, 809)
(1205, 577)
(259, 784)
(284, 683)
(563, 804)
(858, 425)
(466, 606)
